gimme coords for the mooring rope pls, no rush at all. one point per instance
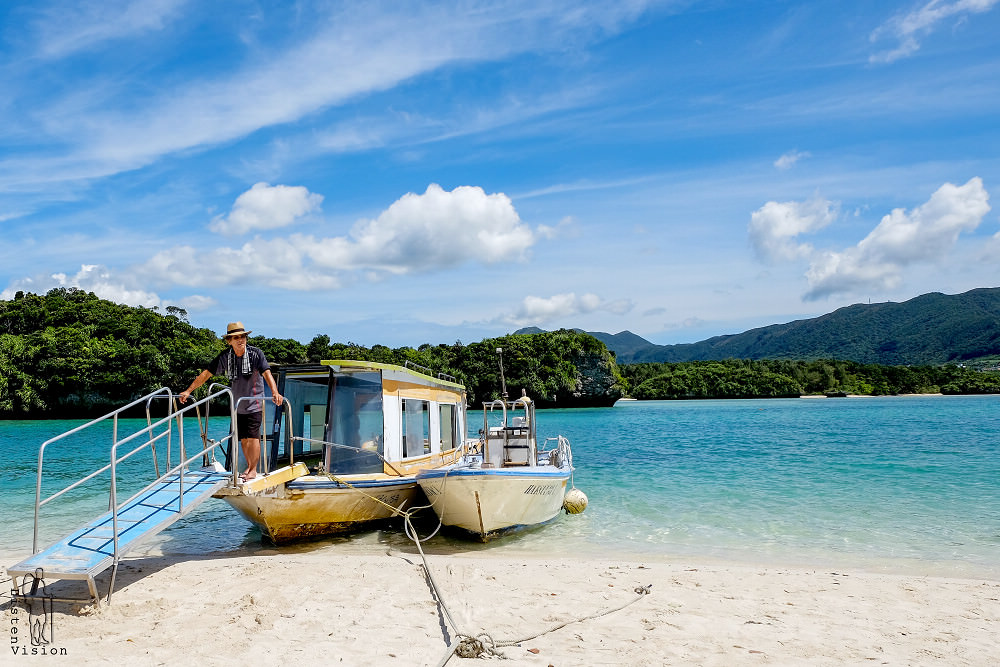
(641, 591)
(484, 645)
(333, 478)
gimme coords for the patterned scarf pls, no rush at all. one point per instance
(233, 363)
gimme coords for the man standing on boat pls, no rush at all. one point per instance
(247, 370)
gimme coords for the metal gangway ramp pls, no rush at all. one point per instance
(101, 543)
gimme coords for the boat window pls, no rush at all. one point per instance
(311, 393)
(355, 423)
(448, 427)
(416, 427)
(313, 425)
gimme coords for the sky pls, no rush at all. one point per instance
(401, 173)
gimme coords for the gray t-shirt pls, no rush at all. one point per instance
(245, 375)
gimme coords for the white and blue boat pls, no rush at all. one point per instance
(506, 481)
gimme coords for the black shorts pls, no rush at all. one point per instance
(248, 425)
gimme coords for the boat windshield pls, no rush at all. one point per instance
(355, 422)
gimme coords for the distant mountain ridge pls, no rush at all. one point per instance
(932, 328)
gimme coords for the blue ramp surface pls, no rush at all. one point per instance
(91, 549)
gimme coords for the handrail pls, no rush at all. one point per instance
(41, 457)
(408, 364)
(113, 416)
(507, 428)
(233, 435)
(529, 416)
(563, 449)
(177, 413)
(179, 471)
(149, 422)
(488, 454)
(488, 409)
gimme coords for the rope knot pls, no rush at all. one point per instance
(469, 647)
(474, 647)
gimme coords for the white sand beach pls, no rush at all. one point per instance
(376, 607)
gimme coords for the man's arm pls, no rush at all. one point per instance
(198, 381)
(275, 396)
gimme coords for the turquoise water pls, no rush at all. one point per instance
(889, 484)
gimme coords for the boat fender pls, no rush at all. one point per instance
(575, 501)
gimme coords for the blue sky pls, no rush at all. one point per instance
(402, 173)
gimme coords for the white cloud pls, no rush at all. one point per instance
(535, 310)
(907, 28)
(775, 225)
(436, 230)
(924, 235)
(91, 278)
(267, 207)
(564, 228)
(67, 29)
(274, 263)
(433, 231)
(787, 160)
(195, 303)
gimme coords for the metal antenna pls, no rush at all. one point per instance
(503, 382)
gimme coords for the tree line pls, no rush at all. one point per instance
(774, 378)
(70, 354)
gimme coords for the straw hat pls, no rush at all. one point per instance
(235, 329)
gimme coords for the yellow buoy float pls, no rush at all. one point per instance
(575, 501)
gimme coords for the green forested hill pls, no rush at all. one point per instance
(929, 329)
(70, 354)
(73, 352)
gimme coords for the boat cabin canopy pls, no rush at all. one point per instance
(358, 413)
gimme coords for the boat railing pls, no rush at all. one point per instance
(423, 369)
(488, 408)
(528, 418)
(561, 452)
(426, 370)
(515, 434)
(152, 433)
(491, 434)
(264, 460)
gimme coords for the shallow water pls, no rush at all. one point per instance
(887, 484)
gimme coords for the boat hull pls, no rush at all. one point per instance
(314, 507)
(489, 502)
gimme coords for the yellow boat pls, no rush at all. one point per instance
(372, 427)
